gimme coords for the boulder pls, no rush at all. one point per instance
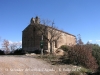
(56, 52)
(27, 54)
(33, 54)
(59, 52)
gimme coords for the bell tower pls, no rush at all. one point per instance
(32, 20)
(35, 20)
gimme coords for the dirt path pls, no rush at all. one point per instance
(23, 65)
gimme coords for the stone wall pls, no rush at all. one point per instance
(31, 37)
(65, 39)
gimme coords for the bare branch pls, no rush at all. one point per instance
(49, 32)
(5, 46)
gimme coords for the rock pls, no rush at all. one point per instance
(59, 52)
(33, 54)
(56, 52)
(27, 54)
(46, 52)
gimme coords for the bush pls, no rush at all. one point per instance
(65, 48)
(96, 53)
(82, 55)
(37, 51)
(65, 59)
(75, 73)
(2, 52)
(17, 52)
(85, 70)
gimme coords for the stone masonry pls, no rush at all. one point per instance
(31, 37)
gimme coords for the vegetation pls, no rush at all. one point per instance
(5, 46)
(85, 70)
(17, 52)
(82, 54)
(75, 73)
(2, 52)
(86, 55)
(96, 53)
(52, 30)
(65, 48)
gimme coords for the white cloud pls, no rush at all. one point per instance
(16, 42)
(97, 40)
(20, 41)
(10, 42)
(90, 40)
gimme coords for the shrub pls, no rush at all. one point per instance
(37, 51)
(85, 70)
(64, 47)
(96, 53)
(17, 52)
(82, 55)
(2, 52)
(75, 73)
(65, 59)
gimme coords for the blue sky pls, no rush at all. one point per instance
(72, 16)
